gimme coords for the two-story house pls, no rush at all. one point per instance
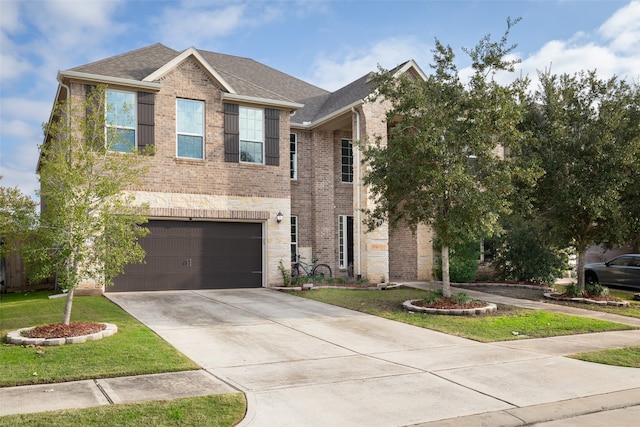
(250, 166)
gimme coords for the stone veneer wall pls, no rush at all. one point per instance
(374, 245)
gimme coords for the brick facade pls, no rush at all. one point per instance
(213, 189)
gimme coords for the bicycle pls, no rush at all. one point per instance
(310, 270)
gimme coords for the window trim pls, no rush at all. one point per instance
(241, 139)
(133, 111)
(293, 156)
(294, 235)
(178, 133)
(349, 174)
(343, 254)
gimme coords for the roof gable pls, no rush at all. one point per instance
(191, 52)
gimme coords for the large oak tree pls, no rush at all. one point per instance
(586, 138)
(442, 165)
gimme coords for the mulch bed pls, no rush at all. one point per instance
(59, 330)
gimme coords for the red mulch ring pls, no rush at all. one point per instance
(59, 330)
(447, 304)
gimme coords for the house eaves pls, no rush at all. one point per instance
(95, 78)
(410, 64)
(328, 117)
(261, 101)
(156, 75)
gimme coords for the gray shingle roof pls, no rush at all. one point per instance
(246, 77)
(135, 65)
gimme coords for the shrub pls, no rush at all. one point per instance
(461, 298)
(524, 254)
(596, 289)
(463, 262)
(433, 297)
(286, 274)
(574, 291)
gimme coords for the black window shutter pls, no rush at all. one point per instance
(272, 137)
(146, 120)
(231, 133)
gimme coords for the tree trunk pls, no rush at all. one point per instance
(446, 284)
(580, 267)
(66, 318)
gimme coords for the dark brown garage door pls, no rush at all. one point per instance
(196, 255)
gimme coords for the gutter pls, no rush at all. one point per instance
(261, 101)
(358, 188)
(96, 78)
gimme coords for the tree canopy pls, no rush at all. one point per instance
(585, 136)
(18, 219)
(443, 164)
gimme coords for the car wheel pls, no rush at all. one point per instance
(590, 277)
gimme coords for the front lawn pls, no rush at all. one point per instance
(629, 357)
(134, 350)
(213, 410)
(508, 323)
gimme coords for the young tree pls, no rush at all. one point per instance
(586, 138)
(442, 166)
(89, 223)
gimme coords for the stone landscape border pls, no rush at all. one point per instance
(16, 337)
(409, 305)
(559, 297)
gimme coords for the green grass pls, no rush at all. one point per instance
(212, 410)
(632, 311)
(134, 350)
(629, 357)
(508, 323)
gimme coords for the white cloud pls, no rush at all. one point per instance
(614, 49)
(341, 68)
(15, 107)
(623, 29)
(9, 17)
(13, 67)
(191, 24)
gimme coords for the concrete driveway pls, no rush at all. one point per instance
(301, 362)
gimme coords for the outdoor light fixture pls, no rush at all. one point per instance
(279, 217)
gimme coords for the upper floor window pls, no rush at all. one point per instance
(190, 128)
(347, 161)
(293, 156)
(121, 121)
(251, 135)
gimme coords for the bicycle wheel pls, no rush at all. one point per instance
(322, 270)
(295, 274)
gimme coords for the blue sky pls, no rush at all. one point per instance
(327, 43)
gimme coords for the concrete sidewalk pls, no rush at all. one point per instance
(300, 362)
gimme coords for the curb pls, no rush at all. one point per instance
(545, 412)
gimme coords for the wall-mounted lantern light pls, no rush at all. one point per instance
(279, 217)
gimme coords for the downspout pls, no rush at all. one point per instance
(358, 187)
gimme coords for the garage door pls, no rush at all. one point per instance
(196, 255)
